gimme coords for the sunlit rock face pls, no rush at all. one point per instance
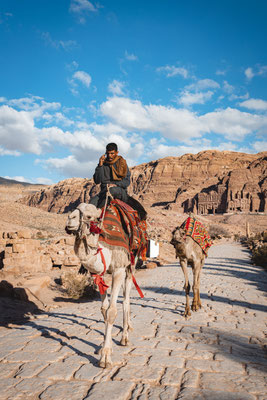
(208, 182)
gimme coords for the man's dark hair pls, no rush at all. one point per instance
(111, 146)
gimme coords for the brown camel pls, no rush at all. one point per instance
(82, 222)
(189, 253)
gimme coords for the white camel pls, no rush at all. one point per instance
(117, 260)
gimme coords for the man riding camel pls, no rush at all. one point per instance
(112, 171)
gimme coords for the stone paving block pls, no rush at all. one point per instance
(22, 356)
(167, 361)
(88, 372)
(171, 345)
(255, 384)
(194, 354)
(8, 370)
(137, 360)
(29, 388)
(44, 344)
(63, 369)
(257, 369)
(162, 393)
(205, 338)
(112, 390)
(150, 375)
(215, 366)
(66, 390)
(190, 329)
(235, 383)
(190, 379)
(140, 342)
(149, 352)
(82, 345)
(194, 394)
(219, 381)
(172, 376)
(30, 369)
(10, 393)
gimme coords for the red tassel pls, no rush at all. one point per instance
(94, 228)
(98, 280)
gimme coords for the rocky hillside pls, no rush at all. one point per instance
(172, 182)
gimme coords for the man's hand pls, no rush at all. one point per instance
(101, 160)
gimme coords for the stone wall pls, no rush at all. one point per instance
(20, 252)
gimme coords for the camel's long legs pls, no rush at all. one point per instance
(126, 308)
(105, 305)
(196, 304)
(186, 287)
(117, 280)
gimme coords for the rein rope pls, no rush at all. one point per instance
(93, 228)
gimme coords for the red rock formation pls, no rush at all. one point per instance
(174, 182)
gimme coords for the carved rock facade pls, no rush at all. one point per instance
(208, 182)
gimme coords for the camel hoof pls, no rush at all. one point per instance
(105, 364)
(187, 313)
(124, 341)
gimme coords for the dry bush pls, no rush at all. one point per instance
(217, 232)
(259, 256)
(77, 285)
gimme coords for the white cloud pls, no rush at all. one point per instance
(249, 73)
(17, 131)
(4, 152)
(79, 6)
(130, 57)
(70, 166)
(228, 88)
(83, 77)
(232, 123)
(171, 70)
(188, 98)
(203, 84)
(179, 124)
(254, 104)
(43, 181)
(116, 87)
(259, 146)
(2, 99)
(58, 118)
(221, 72)
(35, 105)
(66, 45)
(17, 178)
(259, 70)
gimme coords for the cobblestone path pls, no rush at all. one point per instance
(217, 354)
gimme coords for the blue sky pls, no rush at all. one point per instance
(160, 78)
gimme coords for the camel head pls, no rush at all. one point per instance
(83, 213)
(177, 236)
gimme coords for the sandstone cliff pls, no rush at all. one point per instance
(174, 182)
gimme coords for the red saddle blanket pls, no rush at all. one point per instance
(122, 227)
(197, 231)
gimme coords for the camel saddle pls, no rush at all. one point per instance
(198, 233)
(123, 227)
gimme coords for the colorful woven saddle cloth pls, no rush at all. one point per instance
(196, 230)
(122, 227)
